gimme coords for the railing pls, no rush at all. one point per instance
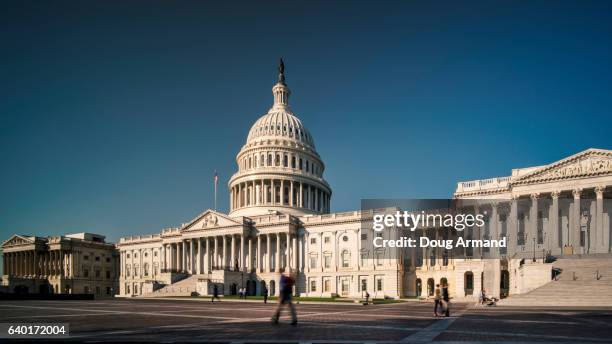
(483, 184)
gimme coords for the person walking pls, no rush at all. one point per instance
(215, 294)
(285, 298)
(265, 294)
(482, 297)
(437, 300)
(367, 297)
(446, 299)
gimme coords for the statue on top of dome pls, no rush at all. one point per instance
(281, 71)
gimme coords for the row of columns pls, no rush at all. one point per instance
(34, 263)
(289, 193)
(228, 252)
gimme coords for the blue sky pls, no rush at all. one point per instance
(114, 116)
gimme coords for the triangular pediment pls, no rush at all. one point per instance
(212, 219)
(588, 163)
(17, 240)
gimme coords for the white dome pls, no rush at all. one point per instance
(279, 169)
(280, 123)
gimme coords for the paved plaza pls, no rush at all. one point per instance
(184, 320)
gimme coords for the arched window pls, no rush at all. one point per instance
(301, 167)
(285, 161)
(430, 287)
(146, 269)
(277, 162)
(346, 259)
(269, 160)
(127, 270)
(292, 162)
(263, 160)
(250, 162)
(469, 283)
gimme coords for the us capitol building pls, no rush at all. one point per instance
(280, 221)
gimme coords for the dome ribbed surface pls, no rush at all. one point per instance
(280, 124)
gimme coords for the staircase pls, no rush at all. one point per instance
(577, 285)
(183, 287)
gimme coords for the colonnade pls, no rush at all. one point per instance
(273, 252)
(279, 192)
(34, 263)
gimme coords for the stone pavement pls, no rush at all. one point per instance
(154, 320)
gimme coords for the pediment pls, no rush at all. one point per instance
(17, 240)
(591, 162)
(212, 219)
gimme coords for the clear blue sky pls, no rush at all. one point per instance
(114, 115)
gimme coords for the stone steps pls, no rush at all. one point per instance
(586, 290)
(184, 287)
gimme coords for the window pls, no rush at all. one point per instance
(292, 162)
(127, 288)
(97, 259)
(379, 284)
(313, 285)
(108, 259)
(364, 236)
(146, 269)
(85, 257)
(127, 270)
(346, 258)
(128, 255)
(277, 162)
(108, 276)
(379, 235)
(327, 286)
(285, 161)
(85, 272)
(345, 238)
(155, 254)
(86, 290)
(469, 283)
(327, 261)
(97, 273)
(364, 284)
(146, 254)
(300, 164)
(326, 240)
(313, 261)
(108, 290)
(313, 241)
(379, 259)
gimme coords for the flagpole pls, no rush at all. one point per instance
(216, 178)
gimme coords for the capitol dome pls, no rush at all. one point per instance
(279, 169)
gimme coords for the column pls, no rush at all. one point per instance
(291, 203)
(277, 260)
(553, 224)
(250, 265)
(258, 261)
(177, 262)
(268, 255)
(282, 192)
(295, 253)
(199, 261)
(287, 257)
(224, 253)
(575, 228)
(301, 200)
(273, 191)
(208, 256)
(603, 236)
(241, 265)
(316, 199)
(233, 250)
(216, 255)
(191, 256)
(533, 219)
(512, 226)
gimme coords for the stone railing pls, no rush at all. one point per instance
(483, 184)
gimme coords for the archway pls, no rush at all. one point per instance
(272, 288)
(504, 284)
(418, 287)
(250, 287)
(233, 289)
(430, 287)
(262, 287)
(443, 282)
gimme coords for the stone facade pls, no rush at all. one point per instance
(80, 263)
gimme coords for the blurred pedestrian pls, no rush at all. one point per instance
(265, 294)
(437, 300)
(446, 299)
(285, 298)
(215, 294)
